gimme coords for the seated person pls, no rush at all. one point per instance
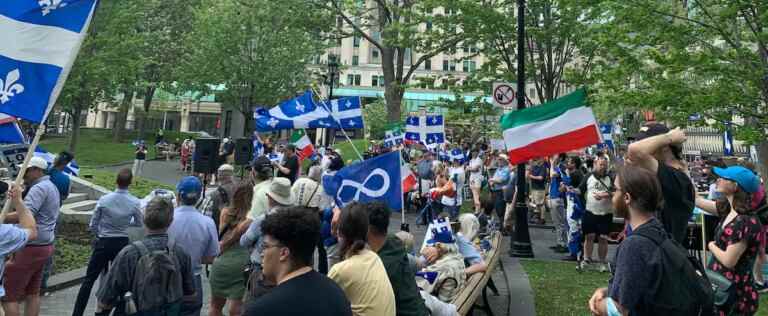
(467, 233)
(442, 256)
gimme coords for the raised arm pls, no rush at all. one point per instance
(640, 153)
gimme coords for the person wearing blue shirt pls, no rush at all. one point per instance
(557, 204)
(196, 234)
(57, 175)
(499, 180)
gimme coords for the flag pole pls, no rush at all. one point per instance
(402, 198)
(340, 127)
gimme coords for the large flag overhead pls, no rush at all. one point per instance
(295, 113)
(427, 129)
(375, 179)
(344, 113)
(10, 133)
(553, 127)
(40, 40)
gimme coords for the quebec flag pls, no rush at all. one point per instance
(40, 40)
(9, 131)
(295, 113)
(427, 129)
(375, 179)
(344, 113)
(393, 138)
(72, 168)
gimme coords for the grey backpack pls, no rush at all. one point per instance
(157, 278)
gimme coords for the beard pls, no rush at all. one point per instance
(620, 207)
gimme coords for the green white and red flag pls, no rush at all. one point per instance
(304, 147)
(551, 128)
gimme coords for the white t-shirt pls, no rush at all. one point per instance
(476, 164)
(594, 206)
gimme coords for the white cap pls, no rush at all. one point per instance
(37, 162)
(226, 167)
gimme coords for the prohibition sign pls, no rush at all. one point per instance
(503, 94)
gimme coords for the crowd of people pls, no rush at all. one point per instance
(273, 242)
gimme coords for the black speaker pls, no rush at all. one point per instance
(243, 151)
(206, 155)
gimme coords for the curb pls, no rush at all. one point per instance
(61, 281)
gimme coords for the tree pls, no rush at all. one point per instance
(406, 32)
(253, 53)
(707, 57)
(557, 50)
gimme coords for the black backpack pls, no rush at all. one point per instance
(682, 287)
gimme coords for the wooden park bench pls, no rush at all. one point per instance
(479, 283)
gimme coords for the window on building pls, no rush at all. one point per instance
(350, 80)
(356, 41)
(339, 22)
(428, 64)
(375, 54)
(429, 25)
(469, 66)
(338, 41)
(445, 65)
(377, 81)
(355, 60)
(452, 65)
(357, 79)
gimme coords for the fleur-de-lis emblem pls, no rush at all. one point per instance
(50, 5)
(272, 122)
(10, 87)
(348, 104)
(299, 106)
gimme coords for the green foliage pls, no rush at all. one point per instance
(257, 51)
(375, 116)
(708, 58)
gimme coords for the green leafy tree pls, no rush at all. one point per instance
(407, 33)
(679, 58)
(253, 53)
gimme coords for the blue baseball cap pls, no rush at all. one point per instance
(744, 177)
(189, 187)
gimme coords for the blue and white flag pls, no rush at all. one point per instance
(375, 179)
(295, 113)
(72, 168)
(344, 111)
(458, 155)
(10, 133)
(275, 157)
(40, 40)
(606, 131)
(393, 138)
(427, 129)
(727, 141)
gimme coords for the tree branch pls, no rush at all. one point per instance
(357, 28)
(429, 55)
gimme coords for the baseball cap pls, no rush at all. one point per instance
(37, 162)
(650, 130)
(65, 156)
(226, 167)
(744, 177)
(189, 187)
(261, 163)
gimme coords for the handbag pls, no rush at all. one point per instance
(723, 289)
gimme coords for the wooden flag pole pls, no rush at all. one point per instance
(704, 238)
(23, 168)
(342, 130)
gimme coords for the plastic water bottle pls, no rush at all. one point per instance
(130, 304)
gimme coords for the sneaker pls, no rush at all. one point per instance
(603, 267)
(584, 264)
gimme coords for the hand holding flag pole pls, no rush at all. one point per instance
(339, 123)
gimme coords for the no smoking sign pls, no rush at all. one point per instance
(503, 94)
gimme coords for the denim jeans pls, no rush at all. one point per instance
(192, 308)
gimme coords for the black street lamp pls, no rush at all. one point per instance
(330, 79)
(521, 245)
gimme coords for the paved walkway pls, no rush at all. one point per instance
(159, 170)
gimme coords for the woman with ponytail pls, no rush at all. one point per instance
(737, 236)
(361, 273)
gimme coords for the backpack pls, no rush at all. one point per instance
(157, 284)
(682, 286)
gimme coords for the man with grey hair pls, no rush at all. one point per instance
(220, 197)
(309, 193)
(121, 277)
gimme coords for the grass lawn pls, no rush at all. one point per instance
(559, 289)
(348, 153)
(140, 187)
(96, 148)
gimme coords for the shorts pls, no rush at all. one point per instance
(24, 274)
(476, 182)
(596, 224)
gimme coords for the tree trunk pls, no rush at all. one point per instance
(122, 115)
(75, 136)
(149, 93)
(394, 97)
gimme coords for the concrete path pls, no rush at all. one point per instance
(158, 170)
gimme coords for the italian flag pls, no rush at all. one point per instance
(554, 127)
(407, 177)
(304, 148)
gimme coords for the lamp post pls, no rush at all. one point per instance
(521, 245)
(333, 72)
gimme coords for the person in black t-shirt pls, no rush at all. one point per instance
(659, 150)
(141, 156)
(289, 242)
(290, 167)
